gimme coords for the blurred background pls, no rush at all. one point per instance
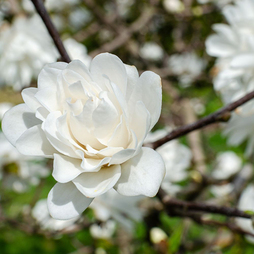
(173, 39)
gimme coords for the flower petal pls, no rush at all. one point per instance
(151, 95)
(60, 143)
(17, 120)
(66, 202)
(48, 75)
(132, 76)
(34, 142)
(111, 66)
(29, 99)
(95, 184)
(142, 174)
(66, 168)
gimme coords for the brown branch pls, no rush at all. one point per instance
(214, 223)
(40, 8)
(220, 115)
(172, 204)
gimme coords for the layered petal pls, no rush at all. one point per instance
(111, 66)
(142, 174)
(34, 142)
(95, 184)
(66, 202)
(66, 168)
(18, 120)
(151, 95)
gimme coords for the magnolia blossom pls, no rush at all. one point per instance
(246, 203)
(124, 210)
(233, 45)
(93, 122)
(177, 158)
(187, 66)
(25, 47)
(17, 171)
(151, 51)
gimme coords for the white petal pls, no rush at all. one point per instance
(34, 142)
(81, 127)
(122, 156)
(95, 184)
(66, 168)
(66, 202)
(222, 44)
(80, 68)
(57, 141)
(120, 137)
(29, 99)
(151, 95)
(48, 97)
(132, 76)
(140, 121)
(17, 120)
(142, 174)
(243, 61)
(48, 75)
(111, 66)
(105, 118)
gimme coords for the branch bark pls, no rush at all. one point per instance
(220, 115)
(40, 8)
(171, 204)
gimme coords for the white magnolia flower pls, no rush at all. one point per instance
(41, 214)
(151, 51)
(246, 203)
(177, 158)
(18, 171)
(103, 231)
(25, 47)
(227, 164)
(233, 45)
(93, 123)
(77, 51)
(124, 210)
(187, 66)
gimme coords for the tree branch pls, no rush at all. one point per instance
(221, 115)
(40, 8)
(171, 204)
(214, 223)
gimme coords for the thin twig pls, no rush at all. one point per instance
(220, 115)
(215, 223)
(171, 204)
(40, 8)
